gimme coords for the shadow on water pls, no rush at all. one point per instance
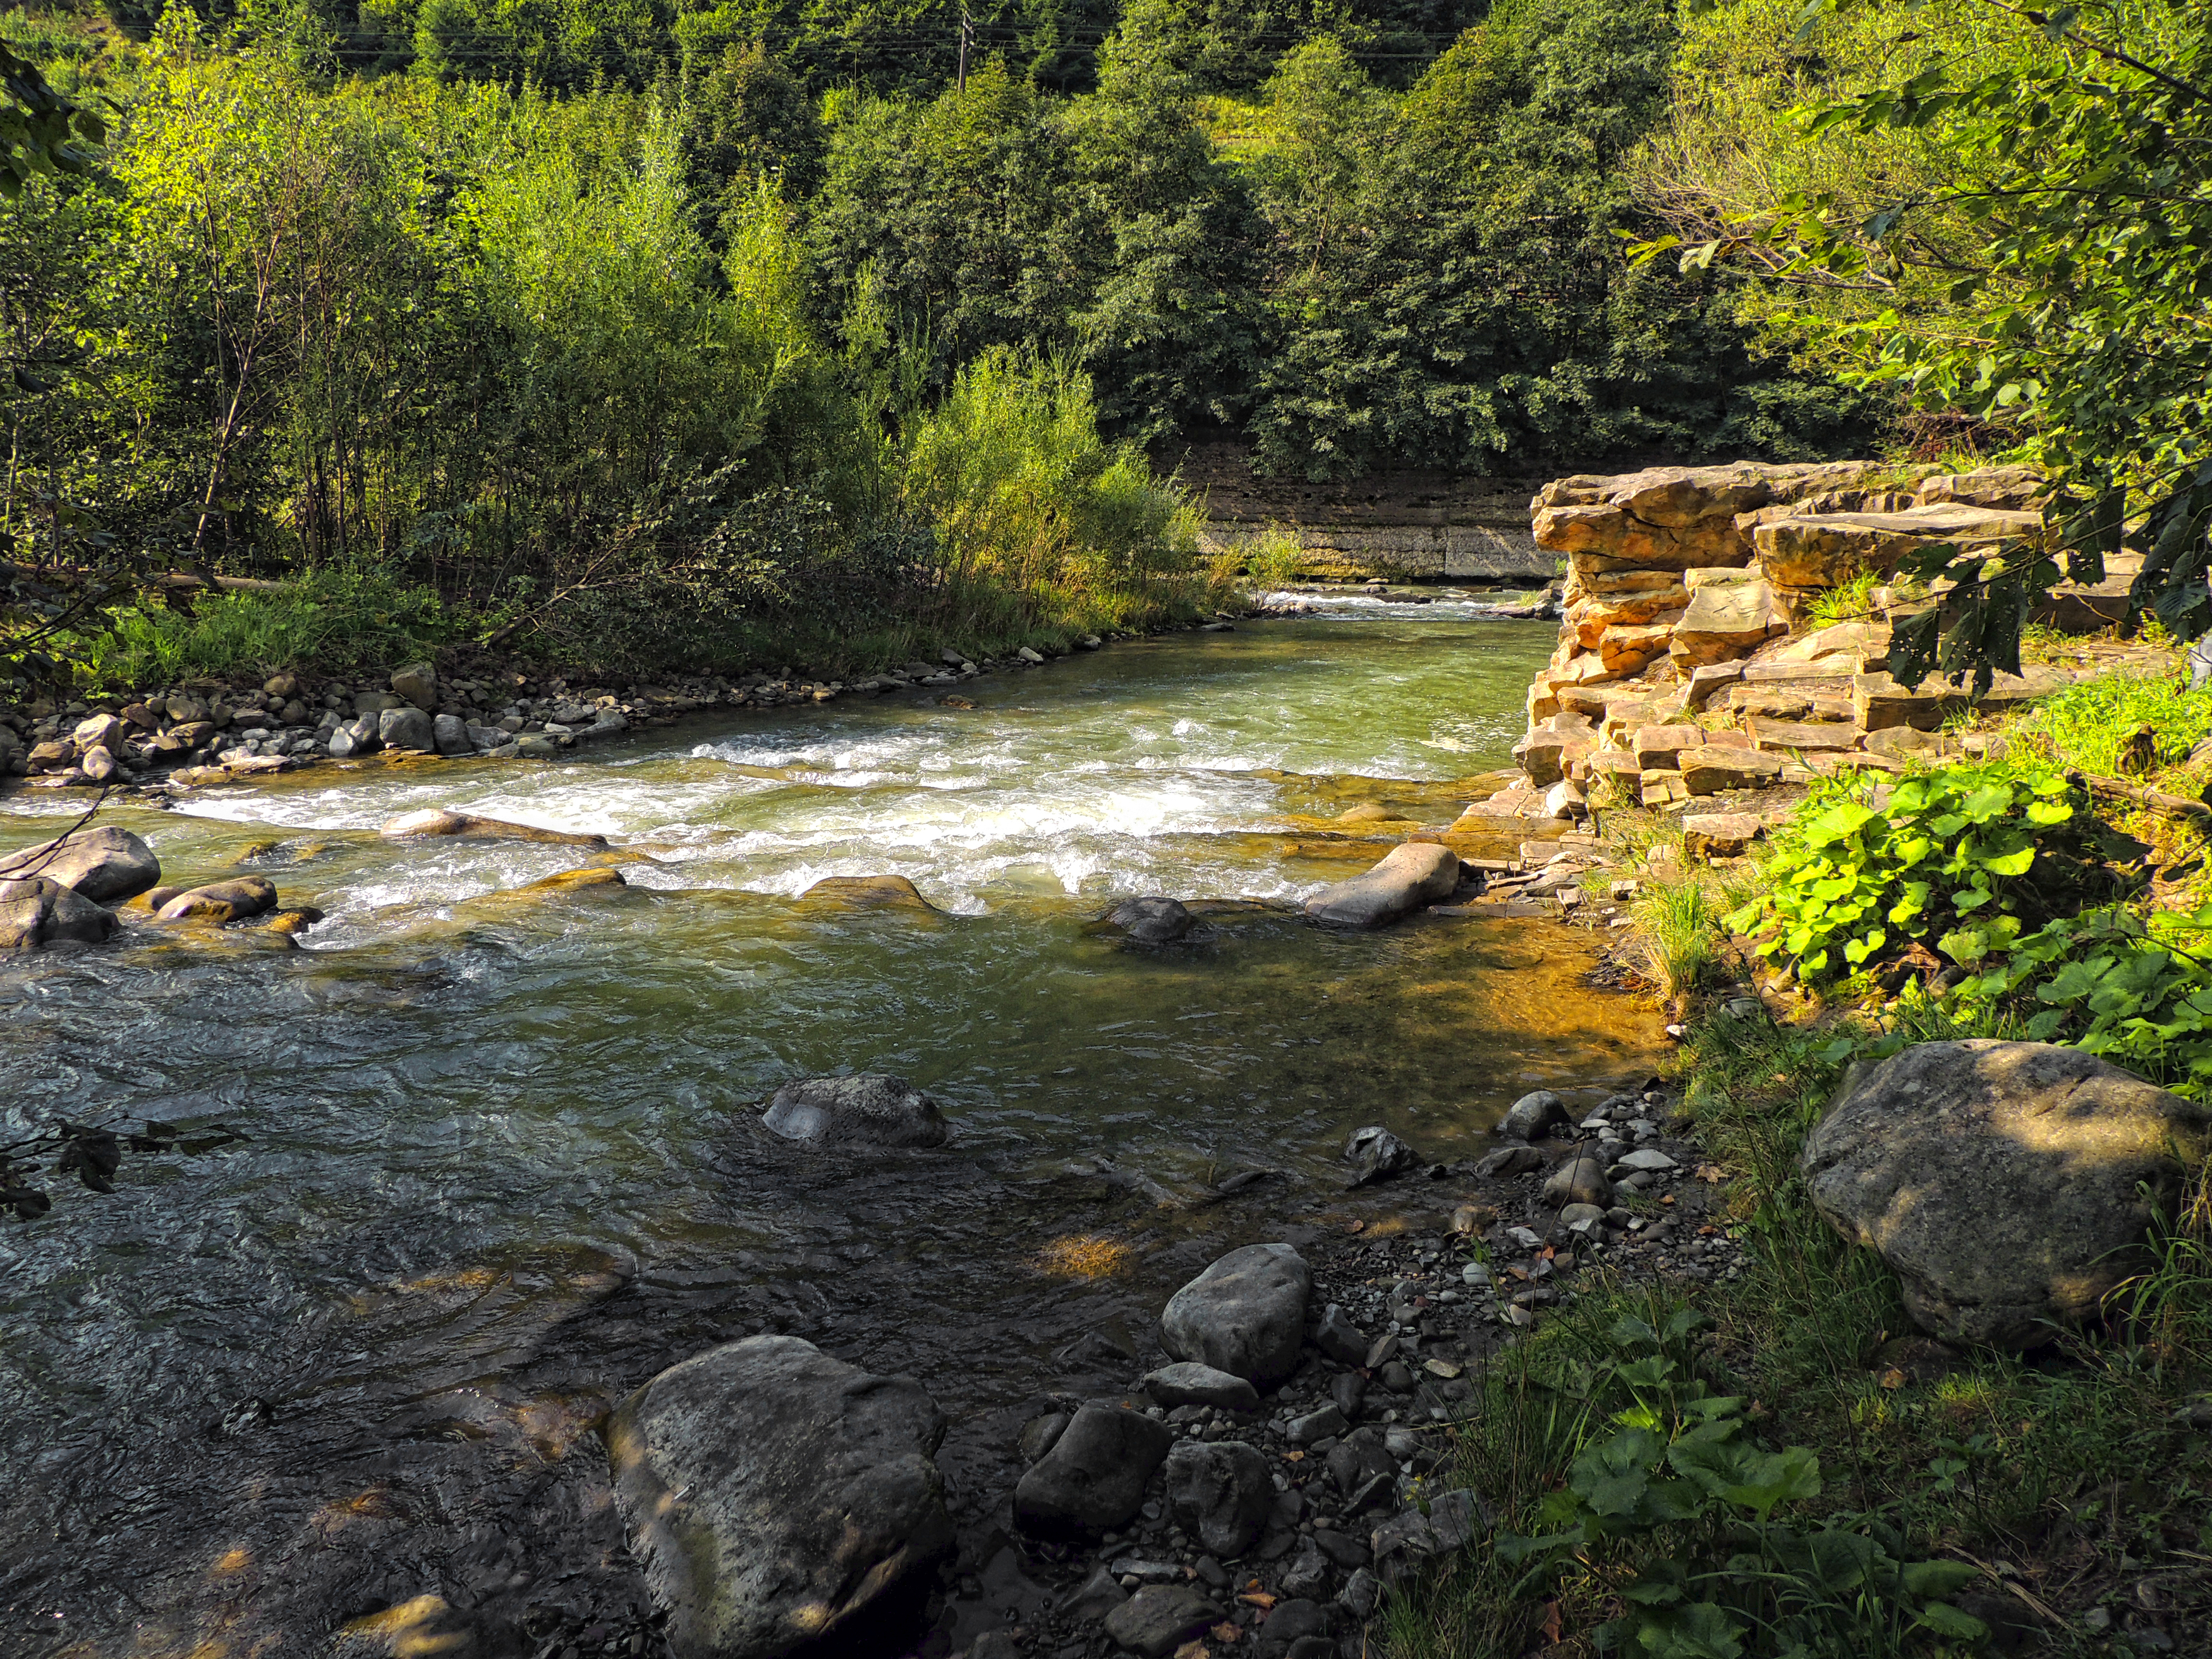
(504, 1161)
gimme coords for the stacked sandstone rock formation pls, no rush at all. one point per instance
(1676, 673)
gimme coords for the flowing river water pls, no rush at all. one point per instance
(501, 1159)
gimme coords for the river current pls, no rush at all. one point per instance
(500, 1156)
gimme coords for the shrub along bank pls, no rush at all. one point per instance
(1775, 1463)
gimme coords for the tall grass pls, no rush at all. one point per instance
(2090, 723)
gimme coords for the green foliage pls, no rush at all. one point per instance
(39, 127)
(1685, 1498)
(1964, 858)
(1027, 497)
(1848, 601)
(1467, 306)
(2136, 990)
(1678, 926)
(336, 618)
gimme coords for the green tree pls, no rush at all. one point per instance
(1470, 305)
(2070, 234)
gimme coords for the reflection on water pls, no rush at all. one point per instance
(502, 1166)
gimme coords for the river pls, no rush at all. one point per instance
(501, 1162)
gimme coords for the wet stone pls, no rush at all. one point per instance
(873, 1110)
(1244, 1315)
(1159, 1618)
(1189, 1384)
(1094, 1475)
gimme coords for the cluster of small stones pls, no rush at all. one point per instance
(1359, 1438)
(1677, 676)
(207, 732)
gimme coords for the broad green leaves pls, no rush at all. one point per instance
(1950, 857)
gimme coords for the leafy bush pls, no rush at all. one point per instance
(2135, 989)
(1964, 858)
(1685, 1498)
(338, 617)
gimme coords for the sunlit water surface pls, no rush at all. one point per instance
(501, 1159)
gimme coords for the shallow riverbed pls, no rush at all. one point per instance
(501, 1163)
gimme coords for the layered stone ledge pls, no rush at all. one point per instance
(1685, 666)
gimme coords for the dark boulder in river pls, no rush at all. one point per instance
(35, 911)
(781, 1500)
(1153, 920)
(872, 1109)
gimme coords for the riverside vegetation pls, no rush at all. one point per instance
(713, 336)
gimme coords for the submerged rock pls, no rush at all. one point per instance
(1999, 1180)
(443, 821)
(1245, 1315)
(1417, 874)
(872, 1109)
(779, 1498)
(35, 911)
(1153, 920)
(1095, 1475)
(106, 865)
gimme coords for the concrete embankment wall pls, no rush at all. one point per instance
(1401, 526)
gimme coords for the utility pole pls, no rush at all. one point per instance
(967, 34)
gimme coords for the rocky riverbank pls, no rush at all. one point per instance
(1280, 1454)
(209, 731)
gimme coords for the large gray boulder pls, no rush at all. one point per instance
(1245, 1315)
(1222, 1492)
(778, 1498)
(1999, 1180)
(106, 865)
(35, 911)
(418, 683)
(407, 728)
(1410, 876)
(1094, 1476)
(872, 1109)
